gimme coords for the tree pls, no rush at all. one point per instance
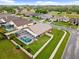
(2, 36)
(29, 49)
(69, 12)
(41, 11)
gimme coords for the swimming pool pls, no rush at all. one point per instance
(24, 36)
(25, 39)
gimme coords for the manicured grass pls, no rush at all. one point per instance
(65, 24)
(61, 23)
(35, 18)
(45, 54)
(62, 47)
(18, 41)
(35, 46)
(72, 15)
(9, 51)
(53, 13)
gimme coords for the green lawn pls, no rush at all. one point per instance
(35, 46)
(62, 47)
(72, 15)
(45, 54)
(65, 24)
(35, 18)
(53, 13)
(8, 51)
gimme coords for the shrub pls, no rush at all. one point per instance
(2, 36)
(29, 49)
(17, 47)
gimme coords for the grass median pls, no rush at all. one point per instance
(62, 47)
(47, 51)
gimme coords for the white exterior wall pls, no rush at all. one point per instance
(11, 22)
(30, 24)
(20, 27)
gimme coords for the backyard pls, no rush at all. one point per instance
(9, 51)
(35, 46)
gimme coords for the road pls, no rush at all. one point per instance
(72, 49)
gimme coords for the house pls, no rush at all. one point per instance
(74, 21)
(39, 28)
(29, 34)
(61, 18)
(16, 22)
(28, 14)
(34, 14)
(45, 16)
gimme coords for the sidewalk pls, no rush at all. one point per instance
(35, 55)
(56, 49)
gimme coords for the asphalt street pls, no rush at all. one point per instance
(72, 49)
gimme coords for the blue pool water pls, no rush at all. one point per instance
(25, 39)
(24, 36)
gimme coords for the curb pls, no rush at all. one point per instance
(37, 53)
(58, 45)
(66, 46)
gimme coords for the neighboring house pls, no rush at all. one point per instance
(29, 14)
(45, 16)
(74, 21)
(18, 22)
(35, 15)
(60, 18)
(63, 19)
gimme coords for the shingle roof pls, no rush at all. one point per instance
(17, 20)
(40, 28)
